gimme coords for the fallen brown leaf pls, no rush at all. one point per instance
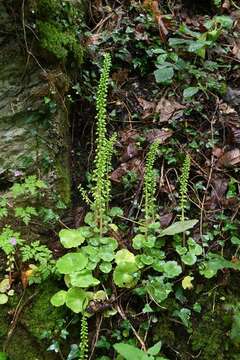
(148, 107)
(158, 134)
(124, 168)
(166, 109)
(230, 158)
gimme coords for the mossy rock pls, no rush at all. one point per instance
(36, 317)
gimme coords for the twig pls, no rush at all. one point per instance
(123, 316)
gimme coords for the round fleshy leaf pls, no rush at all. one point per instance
(124, 255)
(4, 285)
(138, 241)
(76, 300)
(189, 258)
(106, 254)
(147, 259)
(71, 238)
(71, 262)
(83, 279)
(59, 298)
(105, 267)
(116, 211)
(3, 299)
(172, 269)
(126, 275)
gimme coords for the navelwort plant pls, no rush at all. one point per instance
(184, 184)
(96, 257)
(149, 188)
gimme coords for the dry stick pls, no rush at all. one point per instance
(17, 313)
(96, 336)
(123, 316)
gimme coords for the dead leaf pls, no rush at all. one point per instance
(25, 275)
(166, 109)
(128, 136)
(187, 282)
(230, 158)
(226, 5)
(124, 168)
(120, 76)
(219, 188)
(130, 152)
(158, 134)
(166, 219)
(217, 152)
(236, 49)
(148, 107)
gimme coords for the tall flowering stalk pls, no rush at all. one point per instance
(104, 148)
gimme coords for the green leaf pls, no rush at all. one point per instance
(124, 255)
(71, 238)
(190, 91)
(225, 21)
(235, 240)
(105, 267)
(116, 211)
(3, 356)
(155, 349)
(106, 254)
(178, 42)
(171, 269)
(157, 289)
(126, 275)
(4, 285)
(3, 299)
(71, 263)
(194, 248)
(194, 46)
(83, 279)
(130, 352)
(137, 241)
(189, 258)
(59, 298)
(76, 300)
(164, 74)
(178, 227)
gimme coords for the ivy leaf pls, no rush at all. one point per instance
(190, 91)
(71, 263)
(59, 298)
(71, 238)
(76, 300)
(178, 227)
(164, 74)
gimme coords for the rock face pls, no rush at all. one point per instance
(34, 140)
(33, 134)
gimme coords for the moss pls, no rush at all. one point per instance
(58, 24)
(216, 335)
(59, 43)
(41, 315)
(25, 342)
